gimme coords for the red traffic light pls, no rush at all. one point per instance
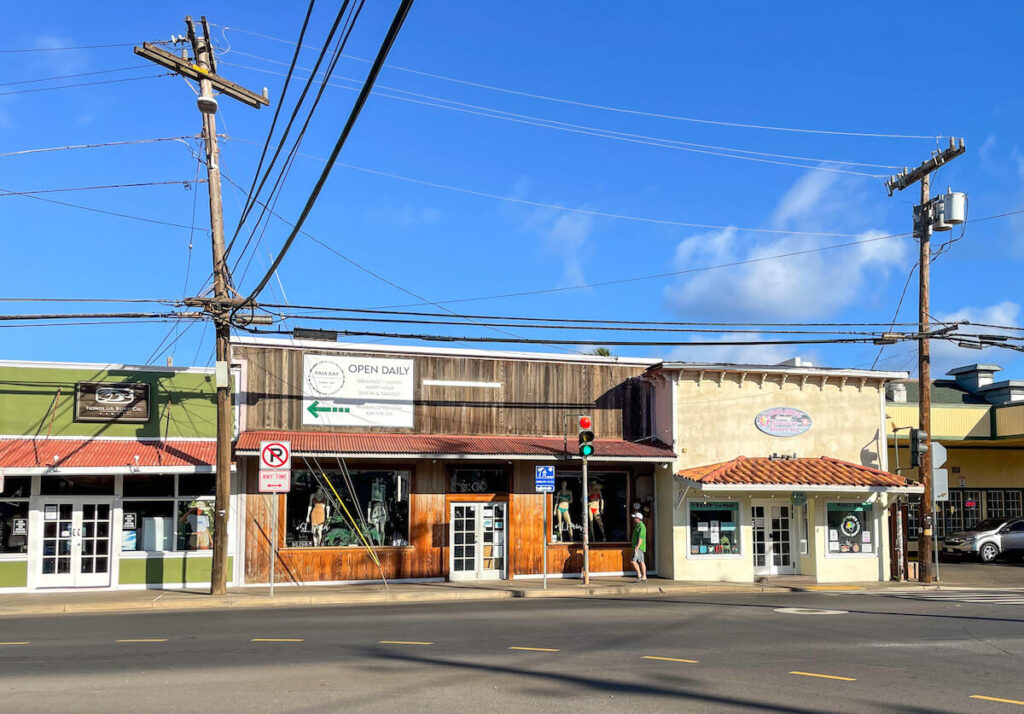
(585, 422)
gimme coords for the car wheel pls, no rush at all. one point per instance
(988, 552)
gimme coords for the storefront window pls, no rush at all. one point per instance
(478, 481)
(603, 508)
(374, 505)
(13, 526)
(715, 528)
(850, 528)
(17, 487)
(76, 486)
(163, 512)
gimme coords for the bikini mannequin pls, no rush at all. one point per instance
(317, 514)
(563, 499)
(595, 508)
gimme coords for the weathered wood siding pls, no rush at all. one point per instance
(533, 399)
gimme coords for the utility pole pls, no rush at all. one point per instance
(203, 70)
(928, 216)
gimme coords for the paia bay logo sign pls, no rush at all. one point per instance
(783, 421)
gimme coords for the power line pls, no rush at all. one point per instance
(99, 145)
(98, 210)
(616, 343)
(319, 308)
(896, 314)
(83, 84)
(477, 110)
(163, 301)
(78, 47)
(620, 110)
(103, 316)
(72, 76)
(569, 209)
(186, 183)
(364, 93)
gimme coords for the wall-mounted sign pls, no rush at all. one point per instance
(129, 521)
(19, 527)
(357, 391)
(126, 402)
(783, 421)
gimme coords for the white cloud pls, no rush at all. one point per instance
(946, 354)
(406, 215)
(807, 285)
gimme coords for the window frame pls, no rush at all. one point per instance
(282, 524)
(740, 524)
(875, 528)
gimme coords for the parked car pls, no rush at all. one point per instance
(988, 540)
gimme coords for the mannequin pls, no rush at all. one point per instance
(562, 519)
(198, 522)
(595, 508)
(317, 513)
(376, 509)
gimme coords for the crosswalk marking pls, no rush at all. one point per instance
(982, 597)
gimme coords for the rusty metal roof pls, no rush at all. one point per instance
(110, 453)
(306, 443)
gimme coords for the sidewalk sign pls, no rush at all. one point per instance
(544, 482)
(275, 477)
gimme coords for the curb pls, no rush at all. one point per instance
(250, 602)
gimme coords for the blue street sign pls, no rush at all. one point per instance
(544, 479)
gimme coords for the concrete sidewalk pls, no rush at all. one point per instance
(80, 602)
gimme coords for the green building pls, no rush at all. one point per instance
(106, 476)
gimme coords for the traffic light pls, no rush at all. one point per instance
(918, 445)
(586, 436)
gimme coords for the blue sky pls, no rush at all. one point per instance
(827, 67)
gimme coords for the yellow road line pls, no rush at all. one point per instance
(825, 676)
(534, 649)
(671, 659)
(402, 642)
(277, 639)
(13, 643)
(833, 587)
(149, 639)
(997, 699)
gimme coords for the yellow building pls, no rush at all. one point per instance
(780, 470)
(980, 421)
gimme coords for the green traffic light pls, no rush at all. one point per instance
(586, 450)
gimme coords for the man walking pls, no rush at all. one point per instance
(639, 547)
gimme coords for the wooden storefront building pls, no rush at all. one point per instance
(429, 455)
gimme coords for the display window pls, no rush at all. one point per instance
(14, 515)
(166, 512)
(850, 528)
(715, 528)
(373, 505)
(76, 486)
(603, 508)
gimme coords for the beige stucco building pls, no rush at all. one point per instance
(779, 470)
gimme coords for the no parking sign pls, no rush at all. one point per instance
(275, 466)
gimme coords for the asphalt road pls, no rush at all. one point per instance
(695, 653)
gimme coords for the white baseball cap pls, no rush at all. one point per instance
(639, 515)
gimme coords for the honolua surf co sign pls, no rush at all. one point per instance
(783, 421)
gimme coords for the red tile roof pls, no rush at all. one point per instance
(764, 471)
(97, 453)
(312, 443)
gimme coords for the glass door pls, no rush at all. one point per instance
(772, 529)
(477, 541)
(75, 547)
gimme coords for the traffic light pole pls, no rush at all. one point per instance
(586, 526)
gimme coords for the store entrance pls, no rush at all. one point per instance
(772, 526)
(477, 541)
(74, 550)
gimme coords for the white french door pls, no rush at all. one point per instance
(477, 541)
(772, 530)
(74, 549)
